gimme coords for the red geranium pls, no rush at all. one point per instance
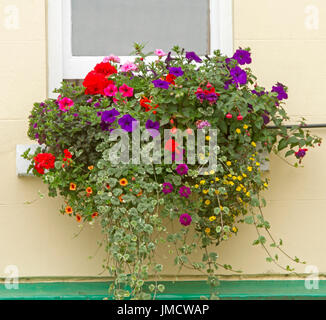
(145, 103)
(67, 153)
(170, 78)
(105, 68)
(95, 83)
(44, 161)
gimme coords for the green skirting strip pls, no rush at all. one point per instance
(181, 290)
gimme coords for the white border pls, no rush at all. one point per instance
(55, 46)
(62, 65)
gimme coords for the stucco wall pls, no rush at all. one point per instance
(40, 242)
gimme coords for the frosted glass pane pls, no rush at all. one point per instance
(102, 27)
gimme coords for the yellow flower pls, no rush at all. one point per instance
(265, 185)
(212, 172)
(238, 131)
(234, 229)
(244, 175)
(240, 178)
(231, 183)
(248, 194)
(212, 181)
(221, 208)
(245, 127)
(208, 138)
(206, 173)
(249, 169)
(212, 218)
(202, 182)
(257, 164)
(217, 192)
(230, 175)
(252, 159)
(196, 186)
(207, 202)
(207, 230)
(217, 179)
(234, 178)
(229, 163)
(205, 191)
(238, 189)
(253, 144)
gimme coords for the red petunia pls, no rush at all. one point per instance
(44, 161)
(105, 68)
(95, 83)
(170, 78)
(67, 154)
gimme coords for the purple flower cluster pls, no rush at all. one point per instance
(108, 117)
(185, 192)
(201, 124)
(128, 123)
(185, 219)
(160, 84)
(191, 56)
(176, 71)
(167, 187)
(182, 169)
(153, 127)
(242, 56)
(280, 90)
(238, 75)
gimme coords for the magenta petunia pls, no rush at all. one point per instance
(182, 169)
(167, 187)
(184, 192)
(65, 104)
(185, 219)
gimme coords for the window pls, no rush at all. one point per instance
(82, 32)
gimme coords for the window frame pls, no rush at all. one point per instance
(62, 65)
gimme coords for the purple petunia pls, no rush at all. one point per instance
(185, 219)
(161, 84)
(201, 124)
(238, 75)
(109, 115)
(280, 89)
(242, 56)
(185, 192)
(167, 187)
(128, 123)
(182, 169)
(153, 127)
(265, 117)
(259, 94)
(176, 71)
(191, 56)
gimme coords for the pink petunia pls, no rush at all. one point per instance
(111, 58)
(128, 66)
(126, 91)
(111, 90)
(65, 104)
(160, 53)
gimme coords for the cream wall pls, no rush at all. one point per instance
(40, 242)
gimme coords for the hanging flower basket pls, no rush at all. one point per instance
(164, 151)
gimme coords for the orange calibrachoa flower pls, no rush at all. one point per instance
(90, 168)
(78, 217)
(123, 182)
(140, 193)
(72, 186)
(69, 210)
(120, 198)
(95, 214)
(89, 190)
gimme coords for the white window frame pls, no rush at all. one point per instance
(62, 65)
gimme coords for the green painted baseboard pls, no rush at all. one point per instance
(180, 290)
